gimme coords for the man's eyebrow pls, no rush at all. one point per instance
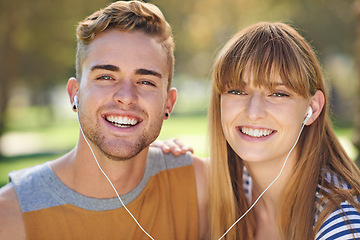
(108, 67)
(113, 68)
(143, 71)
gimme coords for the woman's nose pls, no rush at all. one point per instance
(255, 108)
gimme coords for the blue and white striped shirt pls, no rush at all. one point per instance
(344, 221)
(341, 224)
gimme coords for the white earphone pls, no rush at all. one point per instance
(310, 112)
(76, 106)
(76, 103)
(308, 115)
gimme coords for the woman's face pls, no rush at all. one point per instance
(262, 125)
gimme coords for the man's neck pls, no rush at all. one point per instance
(80, 172)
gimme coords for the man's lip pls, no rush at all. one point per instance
(124, 119)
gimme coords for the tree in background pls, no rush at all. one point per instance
(37, 43)
(357, 100)
(37, 46)
(10, 56)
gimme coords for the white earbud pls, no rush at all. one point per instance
(76, 102)
(76, 106)
(310, 112)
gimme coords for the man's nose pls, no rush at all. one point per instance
(126, 92)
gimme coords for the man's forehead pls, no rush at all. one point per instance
(113, 47)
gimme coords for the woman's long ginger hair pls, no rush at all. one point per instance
(266, 50)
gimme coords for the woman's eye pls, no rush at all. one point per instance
(280, 94)
(236, 92)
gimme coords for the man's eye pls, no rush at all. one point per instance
(236, 92)
(105, 77)
(145, 82)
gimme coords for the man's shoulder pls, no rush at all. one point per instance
(11, 223)
(26, 173)
(168, 160)
(7, 196)
(35, 187)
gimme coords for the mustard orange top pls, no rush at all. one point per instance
(164, 203)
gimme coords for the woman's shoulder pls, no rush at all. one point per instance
(344, 221)
(329, 182)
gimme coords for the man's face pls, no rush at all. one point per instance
(123, 93)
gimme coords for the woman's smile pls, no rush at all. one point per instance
(255, 132)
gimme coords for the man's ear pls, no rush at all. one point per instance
(317, 104)
(170, 102)
(72, 88)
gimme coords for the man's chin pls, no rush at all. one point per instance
(124, 154)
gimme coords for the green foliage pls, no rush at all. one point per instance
(9, 164)
(191, 129)
(201, 27)
(37, 50)
(58, 137)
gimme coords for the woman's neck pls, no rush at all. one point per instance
(265, 177)
(267, 208)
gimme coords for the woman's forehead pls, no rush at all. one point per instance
(250, 77)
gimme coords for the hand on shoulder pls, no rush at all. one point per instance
(11, 222)
(173, 145)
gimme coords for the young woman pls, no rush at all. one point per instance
(265, 80)
(277, 170)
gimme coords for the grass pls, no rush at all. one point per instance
(9, 164)
(60, 136)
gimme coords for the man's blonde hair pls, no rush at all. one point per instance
(125, 16)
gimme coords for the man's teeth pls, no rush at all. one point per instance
(256, 132)
(122, 121)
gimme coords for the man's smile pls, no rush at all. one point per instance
(122, 121)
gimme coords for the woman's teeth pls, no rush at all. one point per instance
(256, 132)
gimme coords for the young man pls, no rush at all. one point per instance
(122, 94)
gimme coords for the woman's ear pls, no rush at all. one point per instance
(317, 104)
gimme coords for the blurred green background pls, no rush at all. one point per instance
(37, 56)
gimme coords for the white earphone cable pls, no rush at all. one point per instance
(283, 166)
(112, 185)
